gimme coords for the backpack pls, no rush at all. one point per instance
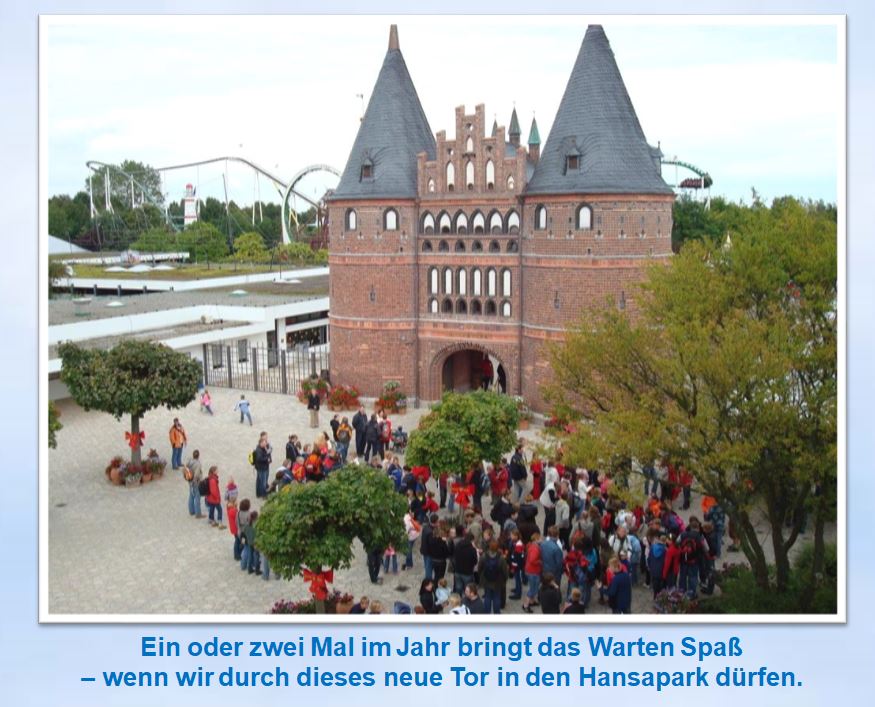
(203, 488)
(251, 458)
(485, 483)
(386, 431)
(491, 568)
(187, 473)
(689, 550)
(343, 435)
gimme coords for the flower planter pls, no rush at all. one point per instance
(524, 424)
(344, 607)
(147, 477)
(132, 480)
(115, 476)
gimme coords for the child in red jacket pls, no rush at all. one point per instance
(231, 508)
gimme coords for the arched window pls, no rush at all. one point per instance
(351, 220)
(444, 224)
(505, 309)
(443, 247)
(433, 306)
(448, 281)
(428, 223)
(460, 246)
(462, 280)
(426, 247)
(510, 182)
(505, 283)
(584, 218)
(390, 220)
(431, 186)
(476, 307)
(433, 281)
(476, 247)
(495, 224)
(490, 308)
(513, 222)
(476, 286)
(490, 175)
(469, 145)
(469, 175)
(490, 282)
(494, 247)
(451, 176)
(541, 217)
(512, 247)
(461, 307)
(461, 223)
(478, 223)
(447, 306)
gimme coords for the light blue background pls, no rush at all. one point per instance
(42, 664)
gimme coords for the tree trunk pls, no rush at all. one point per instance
(782, 560)
(753, 551)
(136, 454)
(320, 606)
(806, 599)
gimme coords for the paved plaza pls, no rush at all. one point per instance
(116, 550)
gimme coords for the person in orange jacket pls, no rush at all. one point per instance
(178, 439)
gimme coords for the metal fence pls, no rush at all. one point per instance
(261, 368)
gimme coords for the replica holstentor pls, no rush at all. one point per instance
(455, 259)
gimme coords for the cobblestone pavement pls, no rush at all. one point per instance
(117, 550)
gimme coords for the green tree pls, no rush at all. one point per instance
(250, 247)
(313, 525)
(155, 240)
(55, 425)
(130, 379)
(146, 184)
(462, 430)
(203, 241)
(729, 368)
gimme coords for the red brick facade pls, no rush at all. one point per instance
(472, 263)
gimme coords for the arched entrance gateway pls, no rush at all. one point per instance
(466, 369)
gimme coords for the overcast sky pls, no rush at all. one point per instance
(753, 104)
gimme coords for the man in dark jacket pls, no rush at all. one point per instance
(472, 599)
(552, 557)
(464, 562)
(425, 534)
(620, 593)
(359, 423)
(372, 437)
(550, 596)
(313, 403)
(493, 573)
(692, 546)
(518, 474)
(262, 462)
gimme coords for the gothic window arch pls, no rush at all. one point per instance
(427, 223)
(505, 309)
(447, 306)
(462, 282)
(510, 182)
(460, 246)
(540, 217)
(512, 247)
(461, 307)
(469, 145)
(448, 281)
(494, 247)
(351, 220)
(476, 247)
(476, 307)
(444, 223)
(476, 282)
(390, 220)
(451, 176)
(469, 175)
(491, 279)
(433, 305)
(431, 186)
(495, 223)
(443, 247)
(490, 174)
(505, 283)
(584, 218)
(490, 308)
(478, 223)
(426, 247)
(461, 222)
(433, 281)
(513, 222)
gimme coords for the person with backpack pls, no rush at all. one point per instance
(656, 557)
(492, 571)
(241, 519)
(262, 457)
(214, 497)
(242, 407)
(385, 428)
(691, 544)
(343, 436)
(518, 473)
(193, 473)
(178, 439)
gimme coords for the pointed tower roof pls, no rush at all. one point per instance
(597, 122)
(514, 128)
(494, 127)
(394, 129)
(534, 135)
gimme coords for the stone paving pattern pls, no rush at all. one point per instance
(117, 550)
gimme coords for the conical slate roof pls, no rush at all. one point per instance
(393, 130)
(514, 124)
(597, 122)
(534, 135)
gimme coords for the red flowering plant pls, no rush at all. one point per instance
(320, 385)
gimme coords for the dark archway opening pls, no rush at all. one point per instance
(470, 369)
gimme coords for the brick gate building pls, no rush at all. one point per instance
(446, 252)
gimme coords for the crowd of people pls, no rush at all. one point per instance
(477, 534)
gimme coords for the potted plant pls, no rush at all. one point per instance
(343, 397)
(133, 475)
(115, 470)
(392, 398)
(524, 412)
(154, 464)
(320, 385)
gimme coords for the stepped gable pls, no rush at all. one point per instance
(597, 128)
(382, 163)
